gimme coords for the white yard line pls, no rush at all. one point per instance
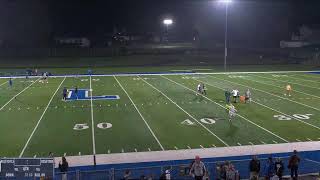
(266, 92)
(290, 82)
(225, 108)
(3, 83)
(282, 87)
(268, 107)
(92, 120)
(185, 112)
(307, 80)
(18, 94)
(44, 112)
(146, 123)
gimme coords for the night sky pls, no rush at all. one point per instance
(38, 21)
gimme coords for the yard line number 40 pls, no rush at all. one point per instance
(298, 116)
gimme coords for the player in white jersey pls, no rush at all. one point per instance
(199, 89)
(235, 95)
(232, 112)
(45, 77)
(248, 96)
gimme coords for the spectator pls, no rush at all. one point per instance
(279, 167)
(64, 168)
(294, 165)
(126, 175)
(269, 169)
(198, 169)
(231, 172)
(165, 175)
(254, 168)
(220, 171)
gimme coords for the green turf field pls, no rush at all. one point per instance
(155, 112)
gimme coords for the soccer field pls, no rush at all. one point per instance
(154, 113)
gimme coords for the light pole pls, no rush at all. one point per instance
(226, 2)
(167, 23)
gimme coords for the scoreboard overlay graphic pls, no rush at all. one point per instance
(26, 167)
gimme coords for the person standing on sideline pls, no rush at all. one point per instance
(10, 83)
(64, 168)
(227, 95)
(198, 169)
(294, 165)
(254, 168)
(279, 167)
(269, 169)
(76, 91)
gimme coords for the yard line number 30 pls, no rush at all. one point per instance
(297, 116)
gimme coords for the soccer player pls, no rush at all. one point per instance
(288, 90)
(199, 90)
(45, 77)
(247, 96)
(64, 93)
(203, 89)
(10, 83)
(235, 94)
(232, 112)
(76, 91)
(227, 95)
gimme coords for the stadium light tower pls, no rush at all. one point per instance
(226, 2)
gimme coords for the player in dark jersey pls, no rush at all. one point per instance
(76, 91)
(65, 91)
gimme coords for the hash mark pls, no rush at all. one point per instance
(239, 144)
(213, 145)
(176, 147)
(275, 142)
(309, 139)
(135, 150)
(298, 140)
(188, 147)
(65, 154)
(263, 142)
(109, 151)
(201, 146)
(79, 153)
(122, 150)
(149, 149)
(251, 143)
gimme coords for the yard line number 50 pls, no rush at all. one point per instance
(103, 125)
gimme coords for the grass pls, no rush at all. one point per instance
(155, 113)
